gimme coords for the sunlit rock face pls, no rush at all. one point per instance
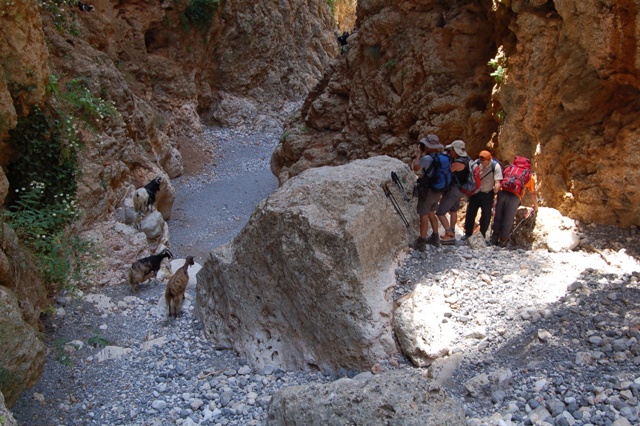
(305, 284)
(566, 95)
(411, 68)
(571, 102)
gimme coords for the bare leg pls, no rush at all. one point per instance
(434, 222)
(454, 219)
(424, 226)
(444, 222)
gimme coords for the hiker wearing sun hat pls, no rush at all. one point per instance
(490, 178)
(428, 157)
(450, 202)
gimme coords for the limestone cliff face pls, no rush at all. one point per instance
(412, 68)
(345, 14)
(164, 66)
(567, 95)
(265, 57)
(161, 66)
(571, 101)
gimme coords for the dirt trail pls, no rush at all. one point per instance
(213, 206)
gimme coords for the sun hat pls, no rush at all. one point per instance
(459, 147)
(431, 142)
(485, 155)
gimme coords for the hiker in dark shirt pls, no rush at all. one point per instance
(450, 202)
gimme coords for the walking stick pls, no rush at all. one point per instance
(390, 196)
(398, 182)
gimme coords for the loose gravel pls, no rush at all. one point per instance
(545, 338)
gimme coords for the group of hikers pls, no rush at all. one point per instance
(448, 174)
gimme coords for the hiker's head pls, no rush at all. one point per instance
(457, 148)
(485, 157)
(430, 143)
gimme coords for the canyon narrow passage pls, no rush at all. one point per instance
(212, 207)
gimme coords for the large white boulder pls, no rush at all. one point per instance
(305, 284)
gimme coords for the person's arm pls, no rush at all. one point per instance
(457, 166)
(534, 200)
(416, 160)
(497, 178)
(531, 187)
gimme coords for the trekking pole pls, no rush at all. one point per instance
(390, 196)
(398, 182)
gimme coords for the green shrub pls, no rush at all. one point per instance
(58, 10)
(500, 70)
(391, 63)
(60, 355)
(97, 340)
(199, 13)
(42, 204)
(53, 85)
(44, 154)
(44, 229)
(84, 104)
(332, 6)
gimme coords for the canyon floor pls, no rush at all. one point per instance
(556, 334)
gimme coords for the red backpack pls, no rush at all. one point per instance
(516, 175)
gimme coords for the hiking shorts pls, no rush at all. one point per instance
(450, 201)
(429, 203)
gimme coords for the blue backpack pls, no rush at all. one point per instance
(438, 176)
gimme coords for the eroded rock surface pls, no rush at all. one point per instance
(565, 95)
(394, 397)
(420, 325)
(304, 283)
(23, 355)
(411, 69)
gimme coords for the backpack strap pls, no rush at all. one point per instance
(493, 168)
(425, 172)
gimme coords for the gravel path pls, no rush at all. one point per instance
(212, 208)
(544, 336)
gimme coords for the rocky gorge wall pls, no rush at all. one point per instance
(571, 102)
(131, 83)
(565, 94)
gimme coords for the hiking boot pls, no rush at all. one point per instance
(419, 244)
(502, 242)
(434, 240)
(449, 238)
(465, 237)
(494, 240)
